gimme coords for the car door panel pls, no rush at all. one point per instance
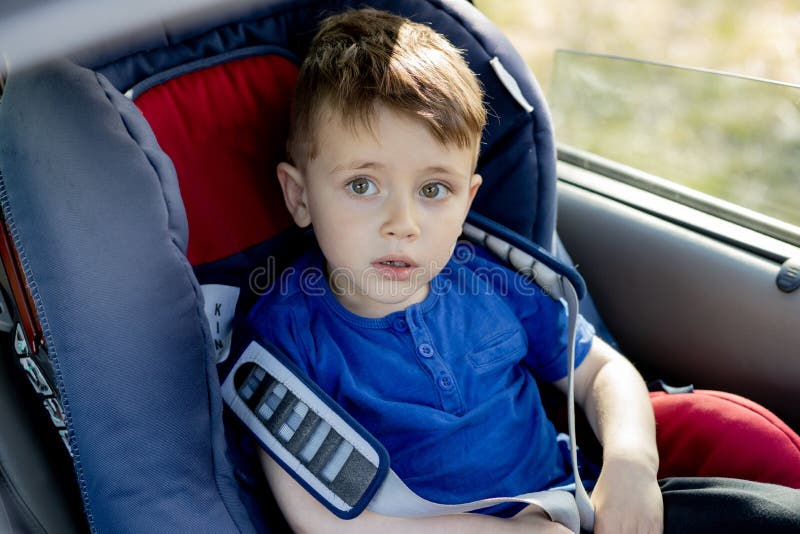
(685, 306)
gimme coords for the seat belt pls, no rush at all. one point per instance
(560, 281)
(341, 463)
(582, 500)
(332, 455)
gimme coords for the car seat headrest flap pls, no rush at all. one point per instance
(517, 151)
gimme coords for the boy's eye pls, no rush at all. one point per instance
(434, 190)
(362, 187)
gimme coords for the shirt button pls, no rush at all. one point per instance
(425, 350)
(445, 382)
(400, 324)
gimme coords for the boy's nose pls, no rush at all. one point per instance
(401, 220)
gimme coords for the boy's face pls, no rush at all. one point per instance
(387, 207)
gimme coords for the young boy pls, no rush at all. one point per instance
(436, 359)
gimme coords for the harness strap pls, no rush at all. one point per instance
(396, 499)
(585, 508)
(331, 454)
(558, 279)
(341, 463)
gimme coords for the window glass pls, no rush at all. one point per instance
(735, 138)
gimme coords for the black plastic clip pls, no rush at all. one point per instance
(660, 385)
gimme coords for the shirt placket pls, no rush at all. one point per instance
(427, 354)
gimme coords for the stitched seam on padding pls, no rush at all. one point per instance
(52, 351)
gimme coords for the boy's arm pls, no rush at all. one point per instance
(305, 514)
(614, 397)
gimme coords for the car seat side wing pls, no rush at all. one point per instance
(95, 214)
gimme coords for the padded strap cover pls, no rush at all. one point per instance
(95, 212)
(334, 457)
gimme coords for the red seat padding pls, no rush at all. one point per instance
(225, 128)
(711, 433)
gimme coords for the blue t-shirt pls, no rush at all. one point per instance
(448, 385)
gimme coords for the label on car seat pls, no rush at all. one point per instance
(220, 306)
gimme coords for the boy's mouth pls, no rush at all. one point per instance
(395, 260)
(395, 267)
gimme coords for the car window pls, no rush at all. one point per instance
(727, 144)
(734, 138)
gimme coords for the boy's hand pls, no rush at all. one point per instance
(627, 498)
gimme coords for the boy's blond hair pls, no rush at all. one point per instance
(365, 57)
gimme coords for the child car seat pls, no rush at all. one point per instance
(126, 182)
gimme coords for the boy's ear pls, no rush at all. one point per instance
(294, 193)
(474, 183)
